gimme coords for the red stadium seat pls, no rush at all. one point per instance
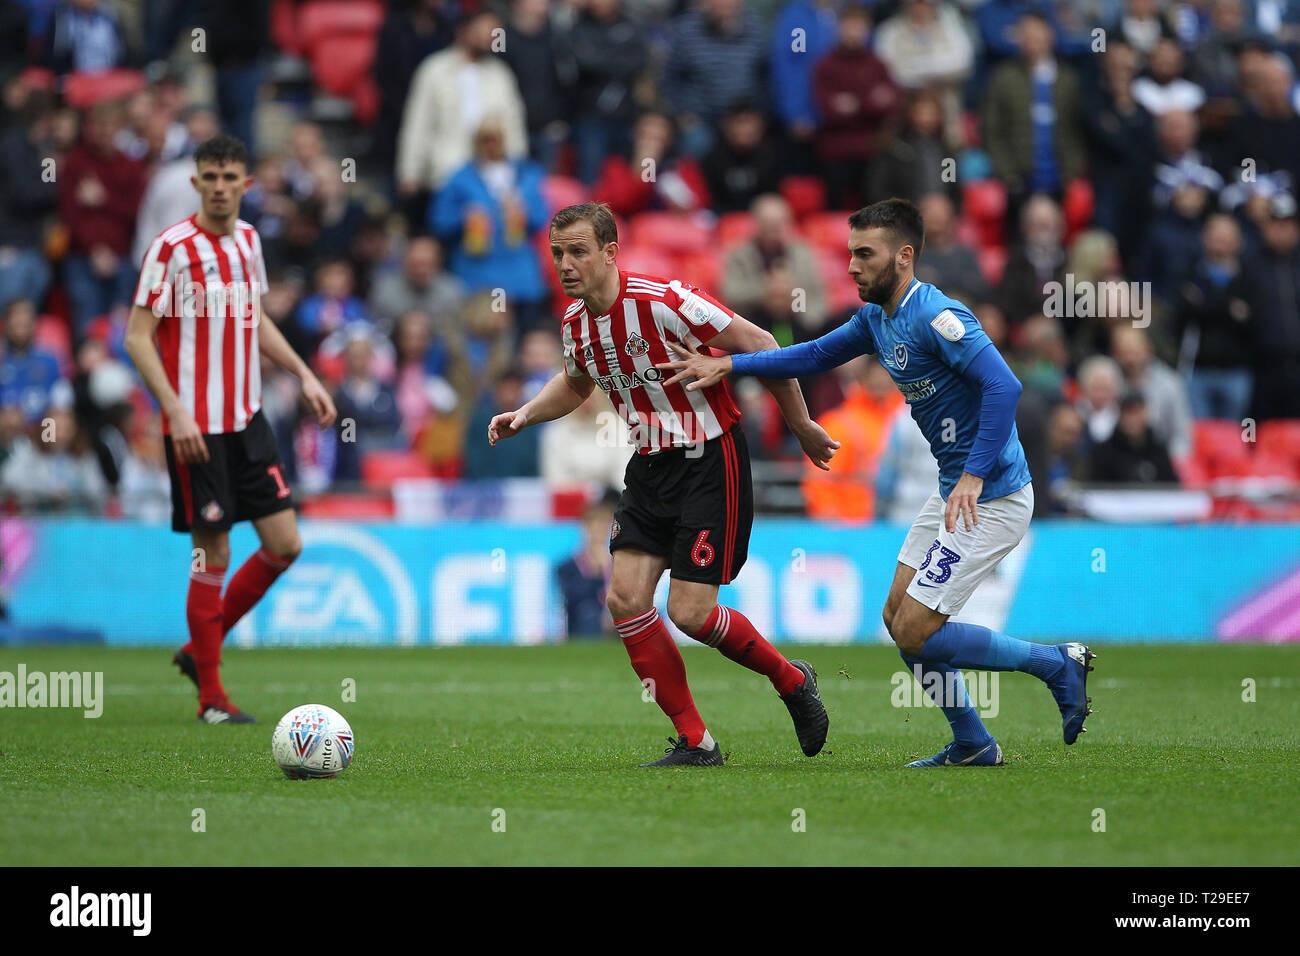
(702, 269)
(1279, 438)
(1077, 204)
(1219, 447)
(965, 232)
(993, 261)
(985, 203)
(1192, 473)
(380, 469)
(341, 64)
(841, 293)
(671, 232)
(83, 90)
(561, 191)
(319, 19)
(805, 194)
(733, 228)
(52, 334)
(1267, 465)
(649, 260)
(827, 230)
(283, 24)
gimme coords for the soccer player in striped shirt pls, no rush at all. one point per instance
(688, 503)
(196, 332)
(963, 397)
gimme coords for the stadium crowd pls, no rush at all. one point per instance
(1112, 146)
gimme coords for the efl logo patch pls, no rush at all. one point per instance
(153, 275)
(695, 309)
(636, 346)
(948, 325)
(212, 511)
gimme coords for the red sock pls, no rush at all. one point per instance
(248, 585)
(730, 632)
(656, 658)
(253, 579)
(203, 611)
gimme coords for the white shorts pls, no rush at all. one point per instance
(950, 566)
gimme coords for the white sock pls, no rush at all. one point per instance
(707, 742)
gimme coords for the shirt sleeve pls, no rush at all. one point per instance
(153, 275)
(570, 349)
(999, 391)
(833, 349)
(956, 336)
(693, 312)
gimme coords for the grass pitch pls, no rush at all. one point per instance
(1186, 772)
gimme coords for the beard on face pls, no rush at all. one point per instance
(879, 291)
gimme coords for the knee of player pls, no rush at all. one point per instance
(908, 635)
(689, 618)
(887, 615)
(289, 550)
(621, 605)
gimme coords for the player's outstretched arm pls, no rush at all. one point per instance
(807, 358)
(561, 395)
(743, 336)
(271, 341)
(187, 440)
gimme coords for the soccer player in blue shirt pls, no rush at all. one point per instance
(963, 396)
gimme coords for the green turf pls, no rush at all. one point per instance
(1186, 772)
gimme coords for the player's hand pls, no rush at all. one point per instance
(817, 445)
(705, 369)
(507, 425)
(187, 440)
(320, 401)
(962, 503)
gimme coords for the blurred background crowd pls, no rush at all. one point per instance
(408, 155)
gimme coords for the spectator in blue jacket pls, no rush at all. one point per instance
(803, 33)
(488, 214)
(27, 374)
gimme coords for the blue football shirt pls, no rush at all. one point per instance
(925, 346)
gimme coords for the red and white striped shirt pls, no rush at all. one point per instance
(206, 290)
(621, 348)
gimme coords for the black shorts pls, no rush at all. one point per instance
(696, 511)
(241, 480)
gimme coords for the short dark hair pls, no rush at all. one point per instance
(598, 214)
(220, 149)
(899, 216)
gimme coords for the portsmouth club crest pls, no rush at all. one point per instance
(636, 346)
(900, 356)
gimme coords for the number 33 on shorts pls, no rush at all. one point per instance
(942, 569)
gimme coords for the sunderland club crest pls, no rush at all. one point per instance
(636, 346)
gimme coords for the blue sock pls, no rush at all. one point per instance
(967, 728)
(976, 647)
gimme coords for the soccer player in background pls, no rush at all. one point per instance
(196, 333)
(688, 503)
(963, 396)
